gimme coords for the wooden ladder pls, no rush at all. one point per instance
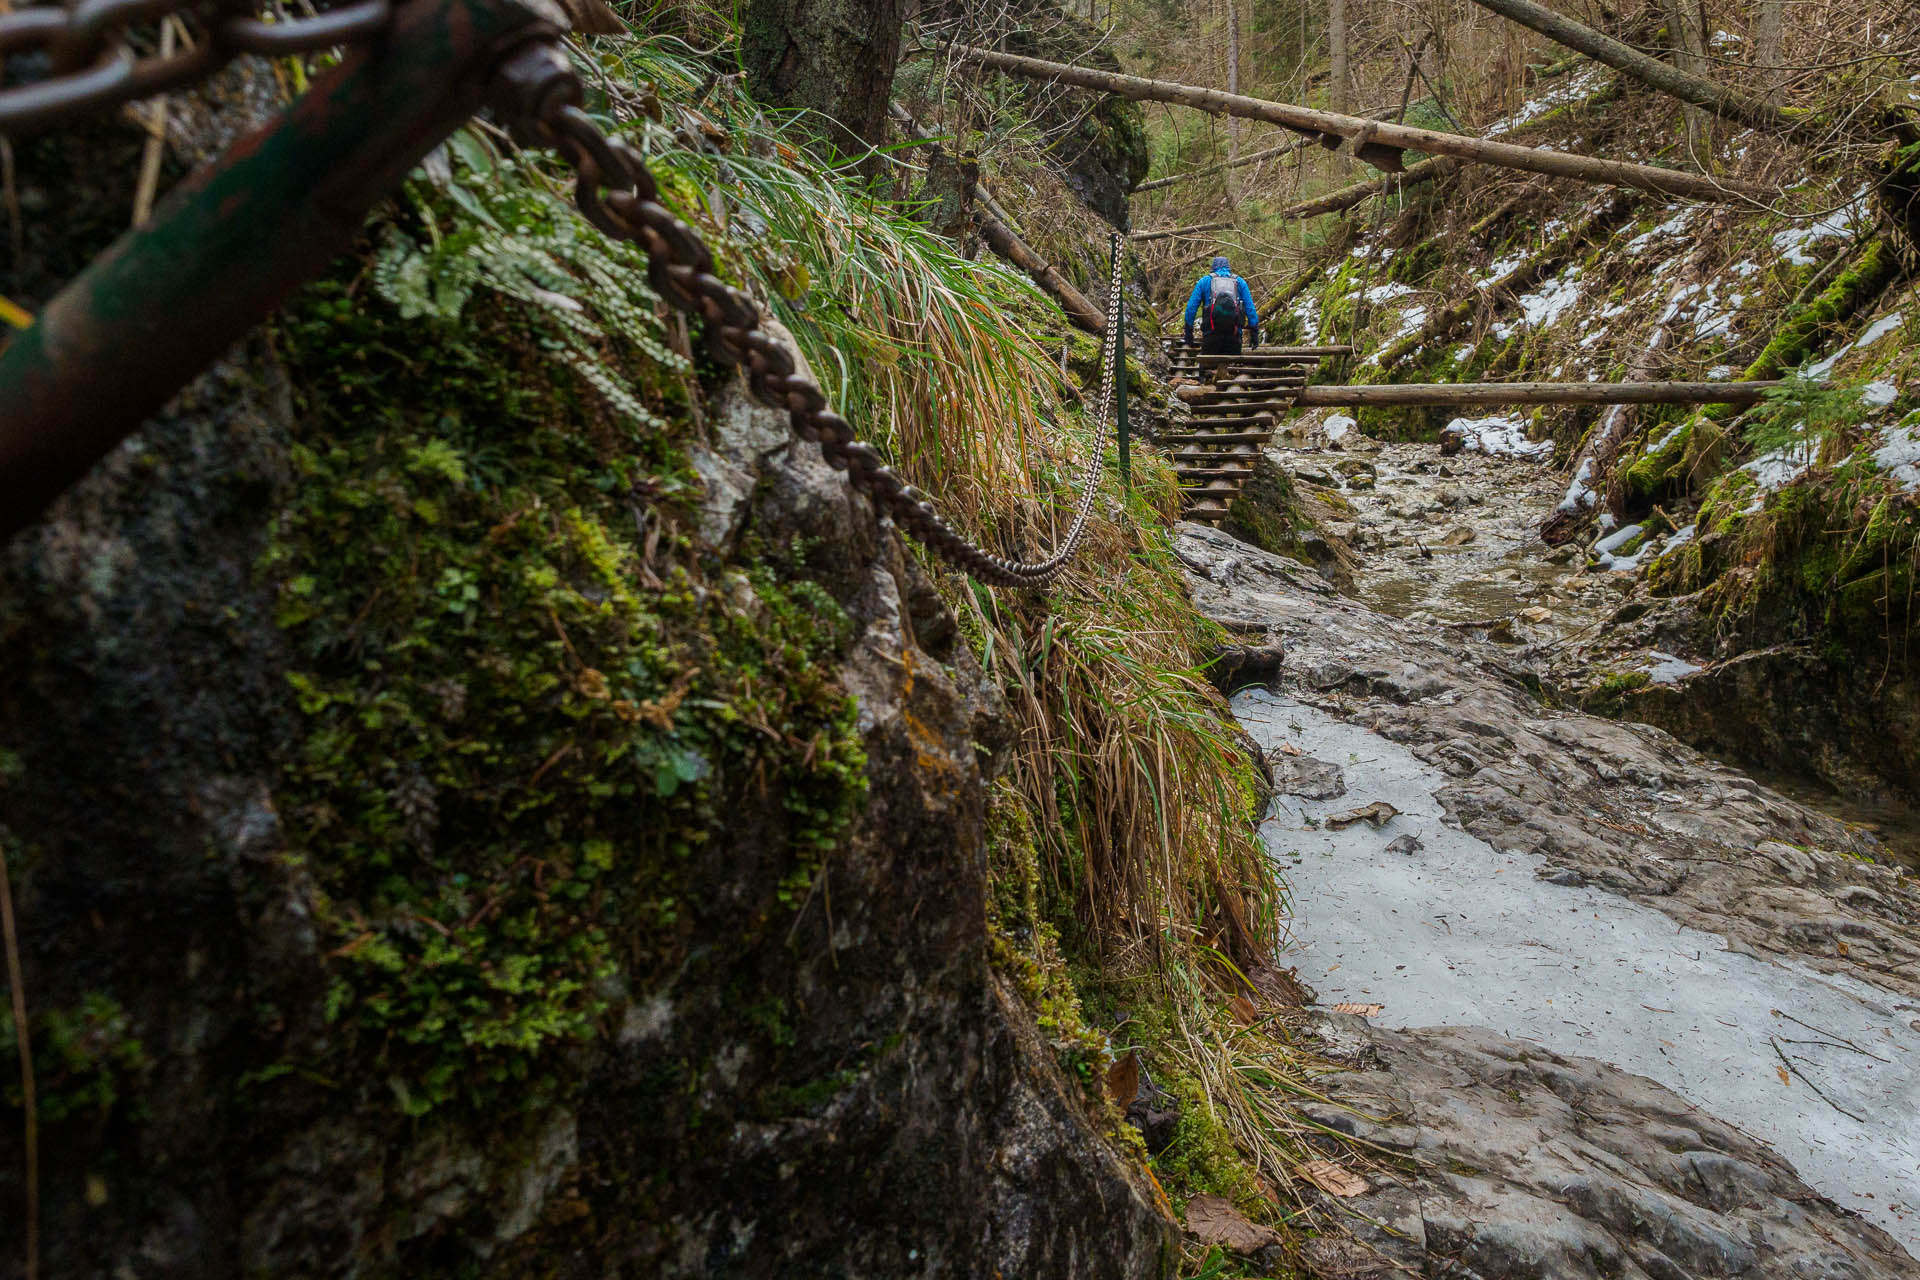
(1232, 420)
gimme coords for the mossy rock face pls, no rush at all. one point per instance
(1102, 146)
(458, 834)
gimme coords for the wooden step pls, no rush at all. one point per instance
(1207, 473)
(1279, 353)
(1204, 457)
(1222, 422)
(1220, 437)
(1240, 408)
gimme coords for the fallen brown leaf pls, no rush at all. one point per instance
(1784, 1077)
(1364, 1010)
(1214, 1221)
(1244, 1010)
(1375, 815)
(1123, 1079)
(1333, 1179)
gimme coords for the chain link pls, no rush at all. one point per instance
(540, 92)
(93, 66)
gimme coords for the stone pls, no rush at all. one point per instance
(1537, 1165)
(1305, 777)
(1408, 845)
(1240, 666)
(1459, 536)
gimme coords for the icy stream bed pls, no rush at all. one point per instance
(1460, 933)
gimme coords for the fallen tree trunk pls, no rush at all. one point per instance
(1003, 240)
(1347, 197)
(1141, 237)
(1251, 158)
(1480, 394)
(1377, 142)
(1697, 90)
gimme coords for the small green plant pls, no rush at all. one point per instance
(1806, 417)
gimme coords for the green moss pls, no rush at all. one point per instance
(1657, 472)
(1026, 945)
(1857, 286)
(1202, 1158)
(86, 1058)
(515, 721)
(1609, 697)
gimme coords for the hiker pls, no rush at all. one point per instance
(1225, 306)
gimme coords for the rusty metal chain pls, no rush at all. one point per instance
(93, 65)
(539, 90)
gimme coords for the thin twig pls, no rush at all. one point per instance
(1788, 1064)
(156, 145)
(17, 987)
(1831, 1035)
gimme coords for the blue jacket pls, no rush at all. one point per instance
(1203, 290)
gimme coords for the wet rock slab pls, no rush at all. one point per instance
(1625, 807)
(1522, 1163)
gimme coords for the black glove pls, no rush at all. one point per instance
(1253, 336)
(1189, 335)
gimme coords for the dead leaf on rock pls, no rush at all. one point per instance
(1214, 1221)
(1363, 1010)
(1784, 1077)
(1376, 815)
(1123, 1079)
(1333, 1179)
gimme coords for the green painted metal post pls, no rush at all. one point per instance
(232, 241)
(1120, 373)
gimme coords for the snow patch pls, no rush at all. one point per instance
(1386, 292)
(1899, 453)
(1774, 470)
(1671, 227)
(1878, 395)
(1664, 668)
(1877, 330)
(1499, 437)
(1794, 241)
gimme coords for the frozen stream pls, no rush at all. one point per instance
(1460, 933)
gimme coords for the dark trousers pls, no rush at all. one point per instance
(1220, 342)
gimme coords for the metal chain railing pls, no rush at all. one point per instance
(539, 90)
(535, 87)
(94, 66)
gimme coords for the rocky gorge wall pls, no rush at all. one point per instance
(454, 832)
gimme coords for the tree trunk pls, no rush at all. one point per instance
(835, 57)
(1141, 237)
(1347, 197)
(1683, 33)
(1373, 140)
(1766, 49)
(1337, 90)
(1233, 86)
(1719, 99)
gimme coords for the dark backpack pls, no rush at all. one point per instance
(1223, 306)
